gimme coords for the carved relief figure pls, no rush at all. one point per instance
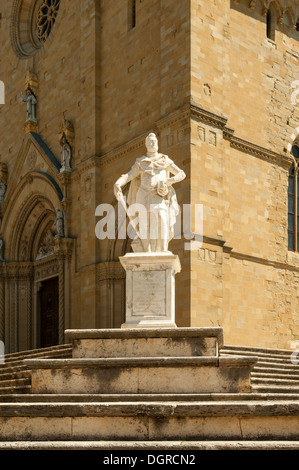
(46, 247)
(59, 224)
(1, 250)
(151, 188)
(3, 181)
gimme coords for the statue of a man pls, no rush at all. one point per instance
(152, 195)
(31, 101)
(66, 155)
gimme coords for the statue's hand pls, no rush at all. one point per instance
(118, 192)
(162, 189)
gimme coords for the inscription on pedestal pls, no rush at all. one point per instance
(149, 293)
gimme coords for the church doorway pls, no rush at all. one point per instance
(49, 313)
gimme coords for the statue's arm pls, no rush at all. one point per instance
(179, 174)
(123, 180)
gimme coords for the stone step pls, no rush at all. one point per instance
(141, 397)
(281, 365)
(145, 342)
(140, 421)
(261, 352)
(174, 446)
(141, 375)
(265, 359)
(273, 388)
(25, 373)
(274, 373)
(15, 382)
(53, 350)
(18, 369)
(269, 367)
(21, 389)
(276, 381)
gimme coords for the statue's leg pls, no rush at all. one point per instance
(153, 228)
(163, 230)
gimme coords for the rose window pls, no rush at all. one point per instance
(46, 18)
(32, 23)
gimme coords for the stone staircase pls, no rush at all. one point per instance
(149, 389)
(275, 372)
(15, 376)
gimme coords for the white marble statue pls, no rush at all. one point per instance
(151, 188)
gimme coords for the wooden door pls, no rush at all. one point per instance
(49, 313)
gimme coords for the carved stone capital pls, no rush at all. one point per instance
(64, 178)
(63, 248)
(30, 126)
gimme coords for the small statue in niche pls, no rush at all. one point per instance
(3, 182)
(31, 101)
(66, 155)
(59, 224)
(1, 250)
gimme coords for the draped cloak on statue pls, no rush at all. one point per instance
(141, 190)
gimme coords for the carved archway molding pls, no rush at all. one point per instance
(29, 212)
(21, 205)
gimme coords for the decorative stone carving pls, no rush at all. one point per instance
(31, 82)
(66, 155)
(151, 188)
(3, 181)
(1, 250)
(46, 247)
(59, 224)
(67, 131)
(31, 120)
(46, 18)
(31, 101)
(31, 24)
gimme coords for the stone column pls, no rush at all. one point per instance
(63, 249)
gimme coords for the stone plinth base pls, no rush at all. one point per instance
(150, 289)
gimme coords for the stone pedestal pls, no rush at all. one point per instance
(150, 289)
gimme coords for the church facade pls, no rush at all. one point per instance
(85, 82)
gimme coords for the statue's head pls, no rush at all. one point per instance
(151, 142)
